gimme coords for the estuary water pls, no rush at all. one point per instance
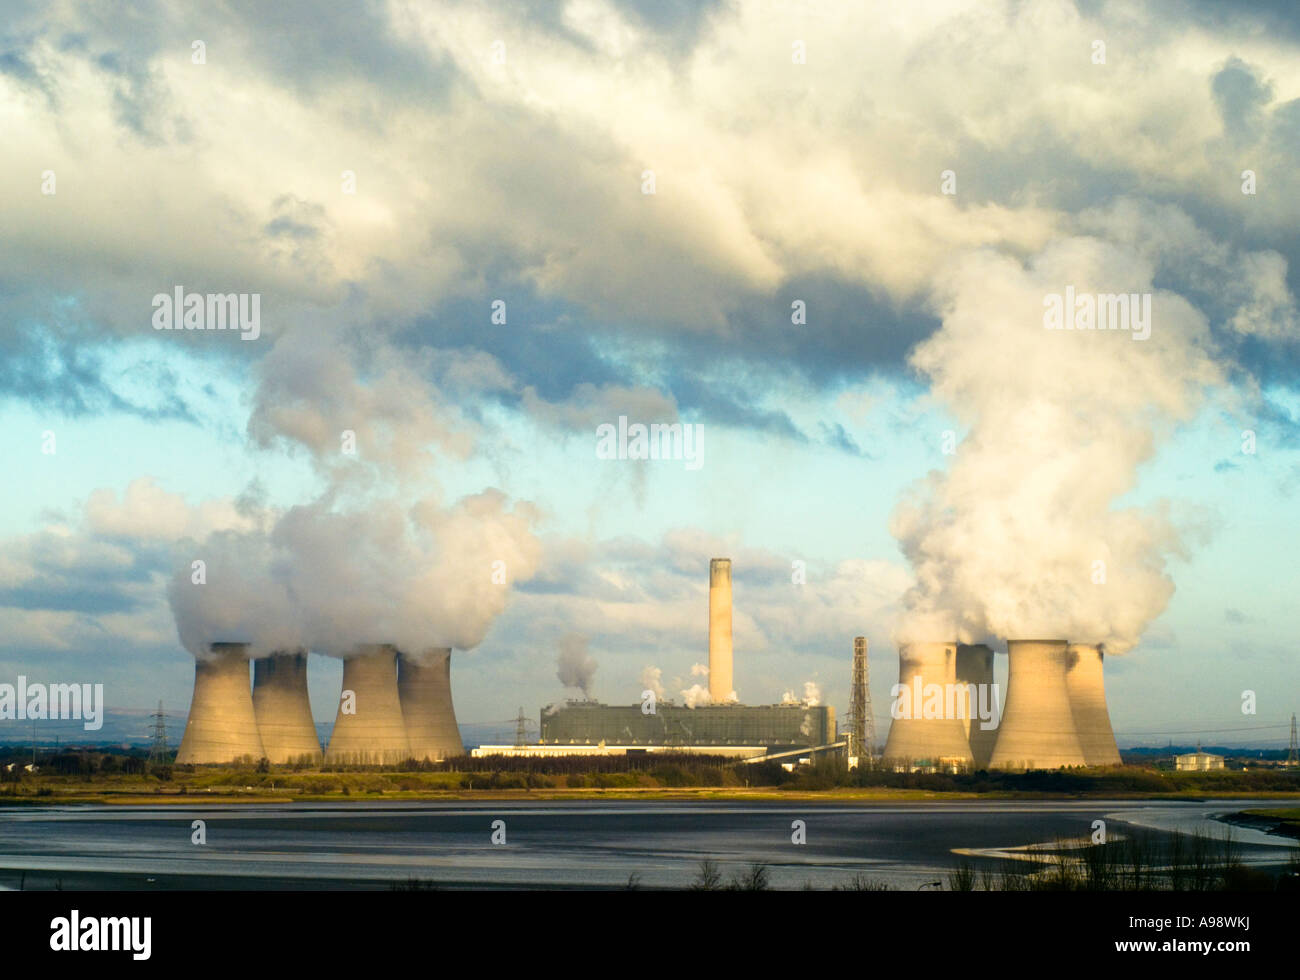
(587, 844)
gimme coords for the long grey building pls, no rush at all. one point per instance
(774, 725)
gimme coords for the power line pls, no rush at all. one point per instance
(1198, 731)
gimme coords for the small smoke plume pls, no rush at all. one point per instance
(699, 670)
(1022, 535)
(652, 680)
(696, 696)
(574, 666)
(812, 695)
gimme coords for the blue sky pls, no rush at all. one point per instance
(522, 179)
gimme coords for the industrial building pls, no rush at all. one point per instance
(720, 727)
(775, 726)
(1198, 761)
(557, 751)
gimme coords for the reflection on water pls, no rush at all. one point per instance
(588, 844)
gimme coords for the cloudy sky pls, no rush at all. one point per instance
(823, 233)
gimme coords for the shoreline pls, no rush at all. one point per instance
(629, 794)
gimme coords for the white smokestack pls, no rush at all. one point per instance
(720, 679)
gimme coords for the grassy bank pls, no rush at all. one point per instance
(84, 777)
(1284, 822)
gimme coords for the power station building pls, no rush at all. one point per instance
(721, 726)
(774, 726)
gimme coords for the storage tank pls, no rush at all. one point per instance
(222, 726)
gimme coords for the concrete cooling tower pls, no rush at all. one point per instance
(222, 726)
(1037, 730)
(720, 687)
(975, 666)
(941, 740)
(374, 732)
(424, 687)
(283, 709)
(1083, 681)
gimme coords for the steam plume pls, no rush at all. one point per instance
(1008, 540)
(574, 666)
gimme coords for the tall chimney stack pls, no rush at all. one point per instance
(720, 681)
(222, 726)
(283, 709)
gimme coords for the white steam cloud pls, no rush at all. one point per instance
(419, 577)
(376, 558)
(1023, 535)
(696, 696)
(652, 680)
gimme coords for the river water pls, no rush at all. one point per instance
(559, 844)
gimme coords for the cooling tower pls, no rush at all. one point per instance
(283, 709)
(928, 671)
(1037, 730)
(373, 732)
(424, 686)
(975, 666)
(720, 688)
(1083, 680)
(222, 726)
